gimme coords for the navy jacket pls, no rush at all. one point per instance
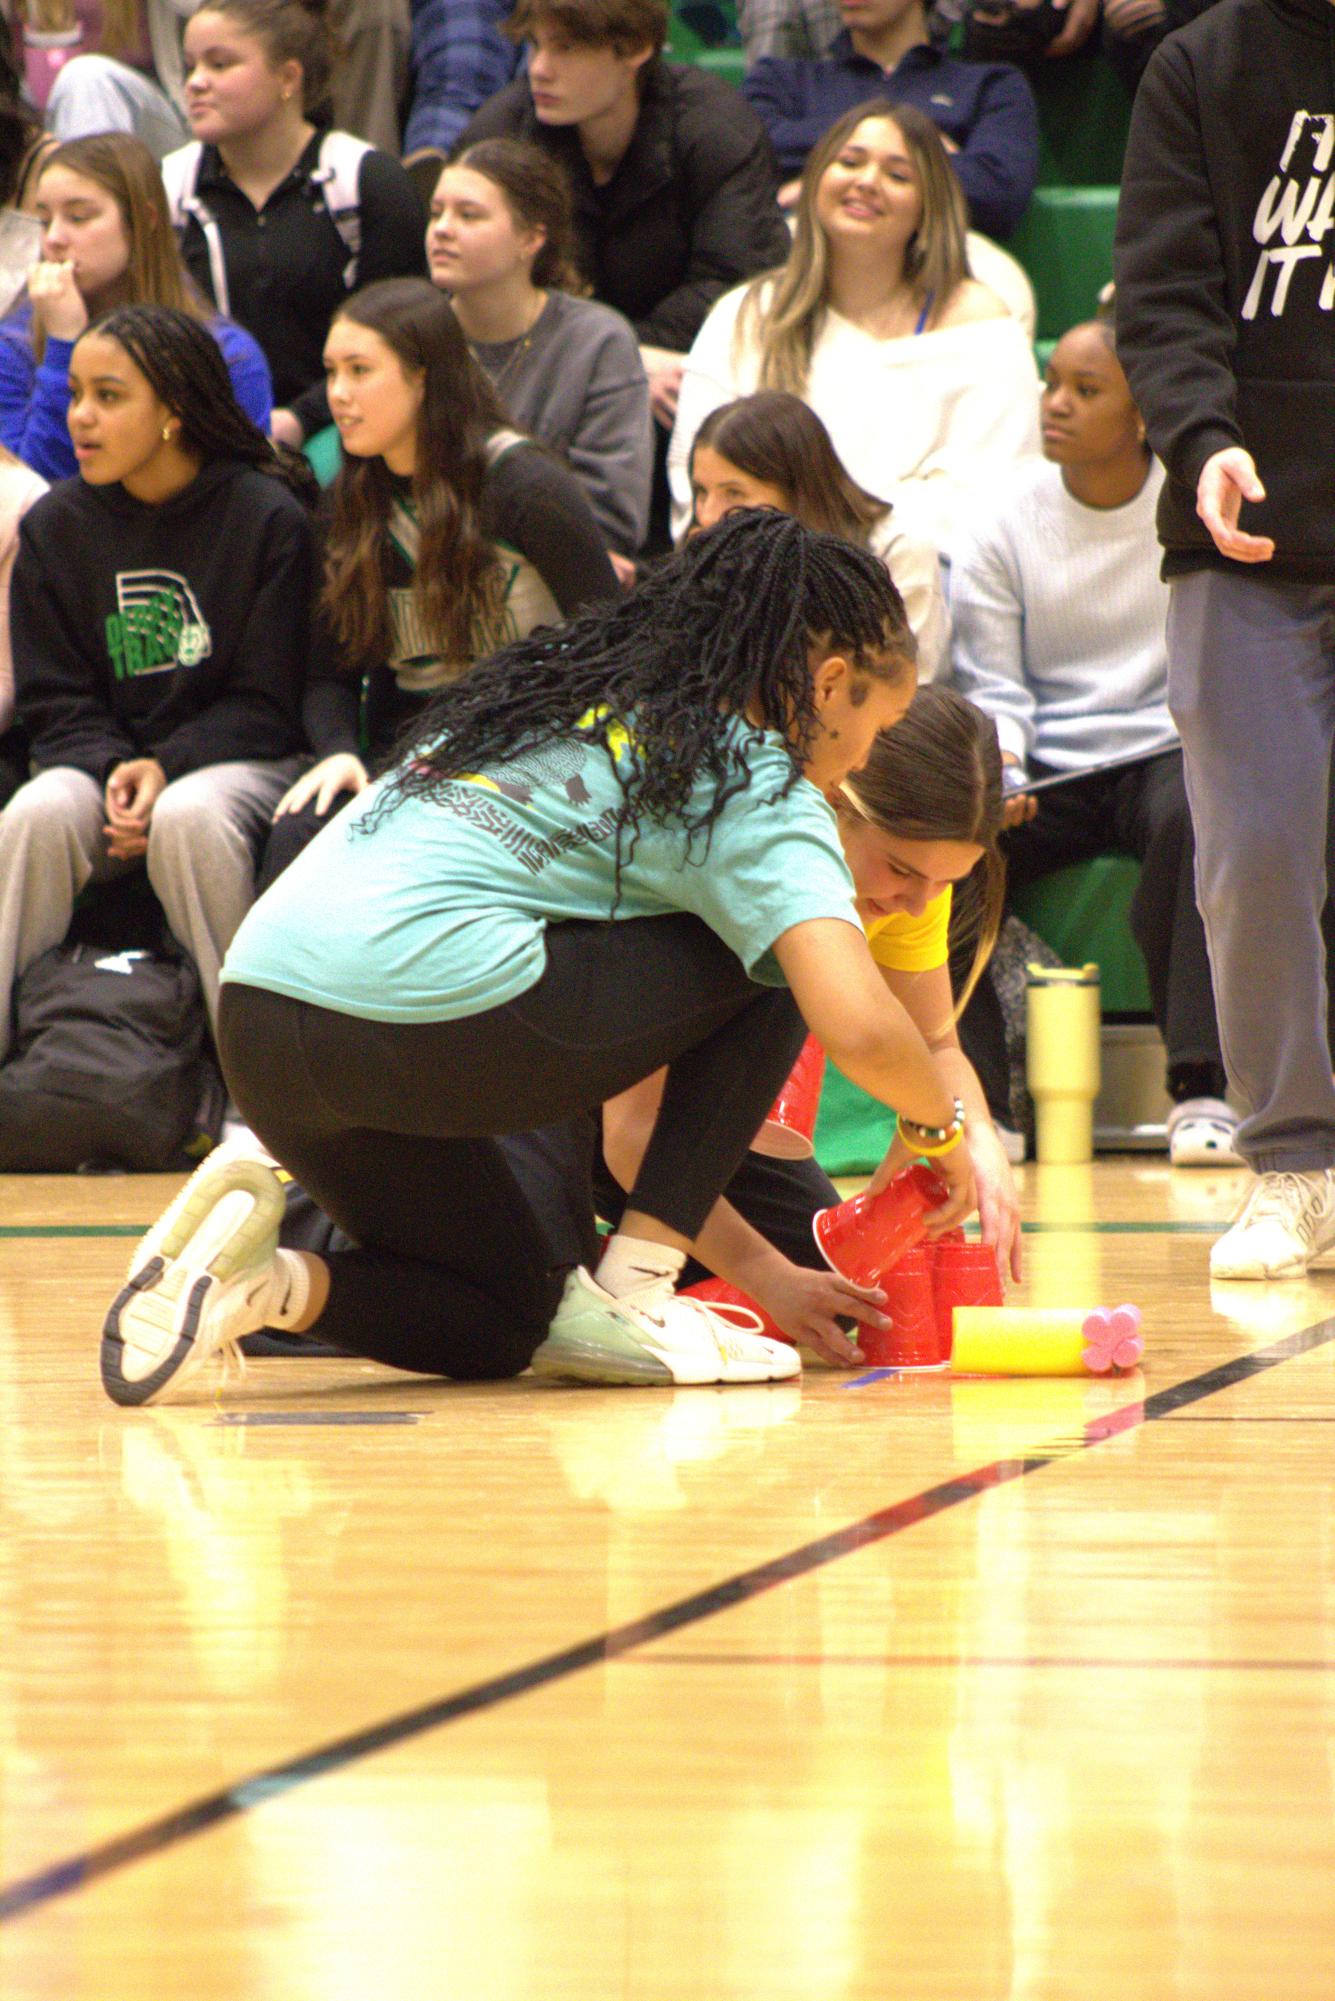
(986, 109)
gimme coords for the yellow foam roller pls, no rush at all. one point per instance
(1045, 1340)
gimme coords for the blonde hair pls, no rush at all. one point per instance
(783, 309)
(123, 168)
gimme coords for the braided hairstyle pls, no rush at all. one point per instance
(721, 631)
(183, 366)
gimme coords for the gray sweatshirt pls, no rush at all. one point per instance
(575, 382)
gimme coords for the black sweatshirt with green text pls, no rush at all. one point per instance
(179, 631)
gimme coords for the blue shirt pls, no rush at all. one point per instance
(986, 109)
(35, 398)
(438, 908)
(460, 58)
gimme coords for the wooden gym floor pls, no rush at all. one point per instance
(350, 1685)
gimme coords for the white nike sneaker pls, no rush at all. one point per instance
(596, 1338)
(1286, 1224)
(204, 1276)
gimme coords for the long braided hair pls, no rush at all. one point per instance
(721, 631)
(183, 366)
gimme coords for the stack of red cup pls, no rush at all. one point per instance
(879, 1240)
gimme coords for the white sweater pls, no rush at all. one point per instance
(918, 421)
(1058, 613)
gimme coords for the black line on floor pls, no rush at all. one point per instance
(77, 1872)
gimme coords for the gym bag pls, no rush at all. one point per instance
(110, 1067)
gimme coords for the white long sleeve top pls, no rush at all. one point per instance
(920, 421)
(1059, 613)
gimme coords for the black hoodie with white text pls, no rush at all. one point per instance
(178, 631)
(1225, 268)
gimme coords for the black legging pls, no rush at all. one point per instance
(391, 1127)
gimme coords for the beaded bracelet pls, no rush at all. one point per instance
(932, 1134)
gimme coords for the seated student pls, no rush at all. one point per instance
(609, 851)
(281, 219)
(567, 370)
(1133, 30)
(1059, 617)
(19, 488)
(672, 176)
(161, 610)
(460, 58)
(805, 29)
(105, 242)
(451, 535)
(985, 111)
(771, 450)
(924, 382)
(135, 81)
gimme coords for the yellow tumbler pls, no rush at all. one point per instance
(1062, 1059)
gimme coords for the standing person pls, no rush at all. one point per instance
(1059, 617)
(923, 380)
(281, 218)
(771, 450)
(450, 536)
(568, 370)
(608, 852)
(672, 175)
(161, 607)
(1224, 328)
(106, 242)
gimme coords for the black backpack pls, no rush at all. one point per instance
(111, 1065)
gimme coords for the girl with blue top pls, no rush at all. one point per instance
(608, 852)
(106, 242)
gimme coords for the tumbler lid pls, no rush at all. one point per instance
(1062, 976)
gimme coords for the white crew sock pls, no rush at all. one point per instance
(633, 1265)
(289, 1290)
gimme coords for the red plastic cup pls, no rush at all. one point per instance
(789, 1131)
(863, 1238)
(963, 1274)
(717, 1292)
(913, 1341)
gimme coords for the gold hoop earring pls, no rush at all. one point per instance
(166, 434)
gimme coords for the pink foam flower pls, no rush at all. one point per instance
(1113, 1339)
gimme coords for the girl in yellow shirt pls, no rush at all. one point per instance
(920, 825)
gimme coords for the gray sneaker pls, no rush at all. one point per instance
(596, 1338)
(1286, 1224)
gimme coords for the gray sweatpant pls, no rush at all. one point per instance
(1251, 686)
(204, 835)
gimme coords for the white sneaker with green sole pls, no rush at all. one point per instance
(595, 1338)
(200, 1279)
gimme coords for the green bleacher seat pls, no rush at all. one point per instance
(1083, 115)
(1065, 244)
(1082, 912)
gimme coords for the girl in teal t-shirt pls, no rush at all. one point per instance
(609, 851)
